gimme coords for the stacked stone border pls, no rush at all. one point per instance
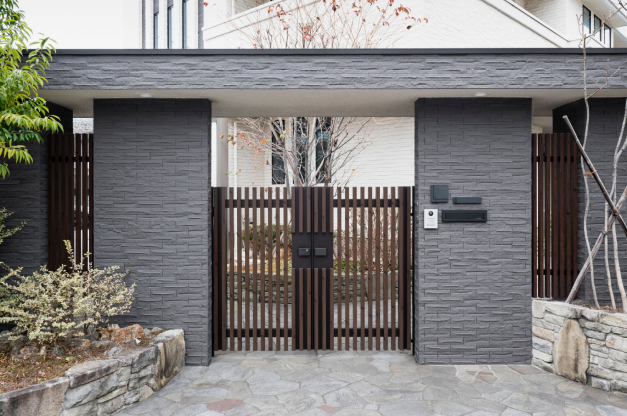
(103, 387)
(581, 344)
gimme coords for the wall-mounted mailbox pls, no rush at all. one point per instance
(465, 216)
(439, 193)
(466, 199)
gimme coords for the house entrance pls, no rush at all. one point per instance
(315, 268)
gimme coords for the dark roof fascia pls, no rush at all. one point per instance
(335, 52)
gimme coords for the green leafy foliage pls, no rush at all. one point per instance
(23, 113)
(50, 303)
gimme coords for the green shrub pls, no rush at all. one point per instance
(52, 302)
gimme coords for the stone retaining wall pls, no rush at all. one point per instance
(103, 387)
(581, 344)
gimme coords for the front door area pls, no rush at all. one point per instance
(316, 268)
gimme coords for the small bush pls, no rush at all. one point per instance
(4, 231)
(48, 303)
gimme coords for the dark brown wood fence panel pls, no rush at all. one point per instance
(70, 199)
(554, 215)
(261, 302)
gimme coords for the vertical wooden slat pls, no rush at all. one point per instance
(563, 195)
(401, 268)
(247, 267)
(240, 292)
(385, 269)
(84, 195)
(370, 257)
(91, 155)
(307, 201)
(278, 268)
(574, 213)
(255, 261)
(70, 196)
(346, 268)
(547, 219)
(301, 308)
(325, 298)
(363, 266)
(223, 261)
(262, 253)
(316, 308)
(285, 271)
(408, 251)
(63, 198)
(232, 269)
(216, 287)
(270, 267)
(78, 176)
(51, 202)
(323, 211)
(308, 286)
(316, 217)
(339, 266)
(377, 268)
(301, 192)
(354, 244)
(552, 242)
(294, 317)
(534, 214)
(541, 187)
(393, 267)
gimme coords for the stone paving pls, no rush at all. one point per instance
(369, 383)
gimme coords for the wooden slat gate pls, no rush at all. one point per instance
(70, 197)
(554, 215)
(351, 290)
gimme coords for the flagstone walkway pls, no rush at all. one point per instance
(369, 383)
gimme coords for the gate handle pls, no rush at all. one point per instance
(320, 252)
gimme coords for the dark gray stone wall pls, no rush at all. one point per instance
(606, 117)
(25, 193)
(152, 210)
(324, 69)
(472, 281)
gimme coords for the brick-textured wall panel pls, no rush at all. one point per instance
(472, 281)
(152, 210)
(326, 70)
(606, 116)
(25, 193)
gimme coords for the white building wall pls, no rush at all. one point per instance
(451, 24)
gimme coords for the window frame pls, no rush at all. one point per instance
(587, 29)
(607, 35)
(185, 45)
(170, 28)
(599, 34)
(155, 29)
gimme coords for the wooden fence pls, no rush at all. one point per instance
(554, 215)
(70, 197)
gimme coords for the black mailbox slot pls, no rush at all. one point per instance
(466, 199)
(320, 252)
(304, 252)
(465, 216)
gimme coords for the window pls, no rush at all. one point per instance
(607, 36)
(321, 152)
(170, 37)
(156, 30)
(184, 24)
(278, 165)
(597, 29)
(586, 17)
(322, 148)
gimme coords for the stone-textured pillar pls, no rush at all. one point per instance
(472, 281)
(25, 193)
(153, 209)
(606, 116)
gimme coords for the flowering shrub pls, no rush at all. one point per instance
(48, 303)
